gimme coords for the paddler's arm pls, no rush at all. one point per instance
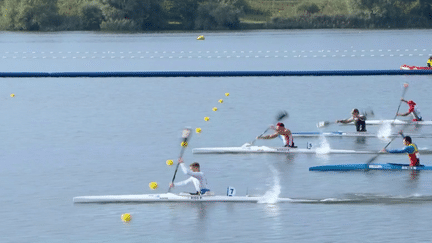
(269, 136)
(407, 149)
(403, 114)
(187, 171)
(345, 121)
(182, 183)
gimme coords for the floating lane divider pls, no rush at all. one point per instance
(198, 130)
(152, 74)
(207, 118)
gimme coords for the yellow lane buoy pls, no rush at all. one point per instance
(226, 94)
(201, 37)
(206, 118)
(153, 185)
(214, 109)
(184, 144)
(169, 162)
(198, 130)
(126, 217)
(12, 95)
(221, 101)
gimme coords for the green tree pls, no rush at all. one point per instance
(376, 8)
(91, 17)
(71, 7)
(218, 14)
(183, 11)
(30, 15)
(145, 14)
(422, 8)
(308, 8)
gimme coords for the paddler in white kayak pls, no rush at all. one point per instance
(196, 177)
(413, 110)
(410, 148)
(283, 133)
(359, 120)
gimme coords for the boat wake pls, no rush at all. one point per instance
(385, 131)
(271, 196)
(324, 147)
(366, 198)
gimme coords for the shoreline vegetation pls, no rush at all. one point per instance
(187, 15)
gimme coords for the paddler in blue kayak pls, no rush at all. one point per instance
(283, 133)
(411, 149)
(413, 110)
(196, 177)
(359, 120)
(429, 62)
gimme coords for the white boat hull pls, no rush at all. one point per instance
(171, 197)
(287, 150)
(394, 122)
(279, 150)
(353, 134)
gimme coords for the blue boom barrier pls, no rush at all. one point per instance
(151, 74)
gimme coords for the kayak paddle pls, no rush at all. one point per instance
(185, 136)
(367, 113)
(281, 115)
(400, 102)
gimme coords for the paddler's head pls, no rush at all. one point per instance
(407, 140)
(355, 112)
(280, 126)
(195, 167)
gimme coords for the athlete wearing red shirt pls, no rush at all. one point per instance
(284, 133)
(412, 110)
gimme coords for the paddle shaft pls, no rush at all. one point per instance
(185, 136)
(376, 156)
(400, 103)
(175, 172)
(280, 117)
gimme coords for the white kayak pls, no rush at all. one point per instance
(246, 148)
(354, 134)
(381, 122)
(265, 149)
(173, 197)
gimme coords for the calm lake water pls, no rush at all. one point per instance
(67, 137)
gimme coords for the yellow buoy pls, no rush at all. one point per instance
(169, 162)
(221, 101)
(184, 144)
(214, 109)
(226, 94)
(126, 217)
(206, 118)
(153, 185)
(198, 130)
(201, 37)
(12, 95)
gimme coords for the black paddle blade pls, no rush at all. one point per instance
(282, 115)
(368, 113)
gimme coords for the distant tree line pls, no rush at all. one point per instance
(148, 15)
(361, 14)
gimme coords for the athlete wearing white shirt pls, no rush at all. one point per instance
(197, 177)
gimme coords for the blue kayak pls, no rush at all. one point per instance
(350, 167)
